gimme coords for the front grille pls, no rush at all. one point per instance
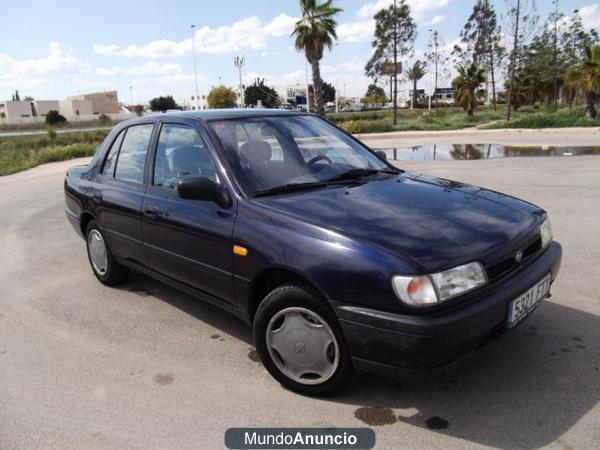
(509, 263)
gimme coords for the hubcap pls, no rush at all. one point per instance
(302, 345)
(97, 250)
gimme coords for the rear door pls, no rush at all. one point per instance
(119, 191)
(187, 240)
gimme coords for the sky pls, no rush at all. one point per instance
(51, 50)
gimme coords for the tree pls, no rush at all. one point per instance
(466, 86)
(54, 118)
(439, 59)
(414, 74)
(163, 103)
(139, 110)
(259, 91)
(572, 43)
(313, 32)
(328, 92)
(374, 95)
(523, 16)
(481, 41)
(222, 97)
(28, 98)
(586, 76)
(395, 33)
(16, 97)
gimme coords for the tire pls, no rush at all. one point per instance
(107, 269)
(311, 357)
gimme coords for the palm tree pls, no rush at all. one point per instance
(466, 86)
(414, 74)
(586, 76)
(314, 32)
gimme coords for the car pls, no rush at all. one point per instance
(338, 260)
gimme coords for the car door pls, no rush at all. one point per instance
(118, 192)
(187, 240)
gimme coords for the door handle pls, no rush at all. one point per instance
(151, 211)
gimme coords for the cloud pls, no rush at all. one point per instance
(590, 15)
(39, 72)
(151, 68)
(434, 21)
(282, 25)
(356, 31)
(248, 33)
(419, 8)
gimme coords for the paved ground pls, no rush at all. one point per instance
(527, 137)
(143, 366)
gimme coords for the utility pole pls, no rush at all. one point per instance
(514, 60)
(307, 91)
(436, 58)
(395, 66)
(239, 63)
(554, 74)
(131, 95)
(195, 69)
(337, 110)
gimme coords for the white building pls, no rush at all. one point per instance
(292, 94)
(85, 107)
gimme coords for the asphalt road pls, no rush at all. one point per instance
(144, 366)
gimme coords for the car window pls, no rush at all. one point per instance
(109, 163)
(180, 153)
(273, 151)
(132, 157)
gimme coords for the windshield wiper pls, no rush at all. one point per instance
(359, 173)
(290, 187)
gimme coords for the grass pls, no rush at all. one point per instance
(453, 118)
(24, 152)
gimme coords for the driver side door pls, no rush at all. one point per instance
(189, 241)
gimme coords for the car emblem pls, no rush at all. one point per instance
(299, 347)
(519, 256)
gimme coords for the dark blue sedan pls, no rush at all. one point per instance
(337, 259)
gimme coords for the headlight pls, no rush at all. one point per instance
(546, 232)
(429, 289)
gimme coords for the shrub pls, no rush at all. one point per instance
(104, 119)
(55, 118)
(367, 126)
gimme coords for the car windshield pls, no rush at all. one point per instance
(268, 153)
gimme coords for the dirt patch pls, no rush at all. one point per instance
(253, 355)
(163, 379)
(376, 416)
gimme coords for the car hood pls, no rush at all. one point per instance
(431, 222)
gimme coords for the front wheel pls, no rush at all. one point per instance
(104, 265)
(300, 342)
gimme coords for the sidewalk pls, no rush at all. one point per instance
(571, 137)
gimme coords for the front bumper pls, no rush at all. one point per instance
(415, 346)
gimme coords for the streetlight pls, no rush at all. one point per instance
(435, 43)
(131, 95)
(239, 61)
(195, 70)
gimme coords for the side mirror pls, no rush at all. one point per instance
(201, 188)
(381, 154)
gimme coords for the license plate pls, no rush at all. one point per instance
(525, 303)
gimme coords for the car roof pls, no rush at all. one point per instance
(210, 114)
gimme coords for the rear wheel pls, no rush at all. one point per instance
(105, 267)
(300, 342)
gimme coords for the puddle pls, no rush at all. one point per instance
(480, 151)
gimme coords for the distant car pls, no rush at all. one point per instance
(337, 259)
